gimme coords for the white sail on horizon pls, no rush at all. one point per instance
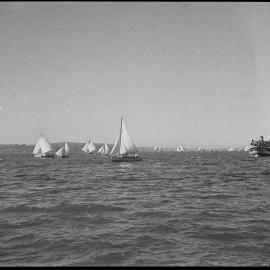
(123, 144)
(67, 148)
(100, 149)
(115, 146)
(91, 147)
(84, 149)
(42, 146)
(127, 146)
(60, 152)
(106, 149)
(180, 148)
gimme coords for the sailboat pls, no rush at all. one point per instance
(63, 151)
(157, 148)
(43, 148)
(89, 147)
(201, 148)
(230, 149)
(180, 148)
(104, 150)
(124, 149)
(84, 149)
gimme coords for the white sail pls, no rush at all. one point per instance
(100, 149)
(91, 147)
(201, 148)
(127, 146)
(180, 148)
(116, 146)
(106, 149)
(42, 146)
(230, 149)
(84, 149)
(37, 149)
(67, 149)
(60, 152)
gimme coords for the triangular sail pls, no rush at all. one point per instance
(116, 147)
(100, 149)
(106, 149)
(127, 146)
(44, 145)
(37, 149)
(67, 149)
(91, 147)
(85, 148)
(60, 152)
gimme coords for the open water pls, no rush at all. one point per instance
(189, 208)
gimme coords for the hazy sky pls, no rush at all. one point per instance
(179, 73)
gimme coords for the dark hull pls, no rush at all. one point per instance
(125, 159)
(46, 155)
(259, 151)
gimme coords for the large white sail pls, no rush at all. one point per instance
(67, 149)
(60, 152)
(85, 148)
(116, 146)
(91, 147)
(127, 146)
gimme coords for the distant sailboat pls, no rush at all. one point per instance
(43, 148)
(124, 149)
(246, 149)
(157, 148)
(180, 148)
(84, 149)
(230, 149)
(201, 148)
(63, 152)
(104, 150)
(89, 147)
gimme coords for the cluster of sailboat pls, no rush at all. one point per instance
(181, 148)
(123, 150)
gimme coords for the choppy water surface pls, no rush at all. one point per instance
(190, 208)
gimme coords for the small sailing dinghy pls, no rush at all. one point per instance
(230, 149)
(43, 148)
(124, 149)
(63, 152)
(104, 150)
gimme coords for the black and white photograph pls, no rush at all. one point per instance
(134, 133)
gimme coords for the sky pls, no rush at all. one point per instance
(193, 73)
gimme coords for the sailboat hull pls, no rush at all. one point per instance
(45, 155)
(125, 158)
